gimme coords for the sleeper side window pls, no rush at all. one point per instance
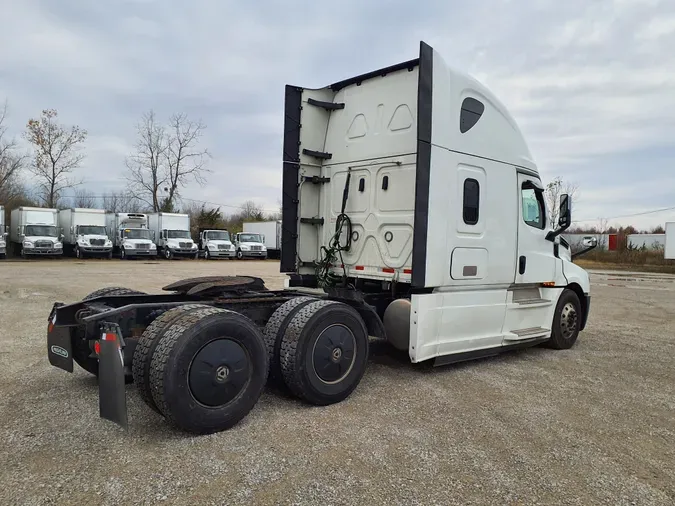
(471, 201)
(470, 113)
(534, 209)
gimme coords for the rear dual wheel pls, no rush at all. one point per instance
(321, 347)
(203, 368)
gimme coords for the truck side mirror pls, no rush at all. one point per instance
(263, 238)
(565, 215)
(589, 242)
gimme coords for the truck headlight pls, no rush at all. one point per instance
(194, 246)
(58, 245)
(153, 246)
(245, 248)
(108, 242)
(27, 244)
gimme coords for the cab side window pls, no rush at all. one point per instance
(471, 201)
(534, 209)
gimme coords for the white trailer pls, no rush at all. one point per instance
(84, 232)
(172, 233)
(3, 233)
(130, 235)
(34, 231)
(669, 248)
(412, 212)
(270, 232)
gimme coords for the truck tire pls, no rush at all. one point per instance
(140, 366)
(332, 338)
(566, 321)
(123, 254)
(275, 329)
(78, 252)
(240, 255)
(168, 254)
(81, 349)
(208, 370)
(207, 255)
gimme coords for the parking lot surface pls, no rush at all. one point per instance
(590, 425)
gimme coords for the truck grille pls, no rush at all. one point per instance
(185, 245)
(44, 244)
(143, 245)
(256, 248)
(223, 246)
(97, 242)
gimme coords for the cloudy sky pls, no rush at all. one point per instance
(591, 83)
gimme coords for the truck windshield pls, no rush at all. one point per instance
(90, 230)
(218, 235)
(249, 238)
(178, 234)
(41, 230)
(136, 233)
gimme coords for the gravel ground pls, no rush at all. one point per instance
(591, 425)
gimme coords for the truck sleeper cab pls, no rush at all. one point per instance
(412, 211)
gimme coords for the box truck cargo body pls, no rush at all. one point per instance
(34, 231)
(131, 236)
(3, 233)
(85, 232)
(172, 233)
(270, 232)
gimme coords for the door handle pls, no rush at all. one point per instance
(521, 264)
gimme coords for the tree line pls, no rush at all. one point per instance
(166, 157)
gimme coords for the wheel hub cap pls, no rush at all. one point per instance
(334, 353)
(568, 320)
(219, 372)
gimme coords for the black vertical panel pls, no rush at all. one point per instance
(424, 96)
(291, 167)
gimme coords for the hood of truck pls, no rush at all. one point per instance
(138, 241)
(175, 243)
(216, 242)
(34, 238)
(249, 244)
(90, 237)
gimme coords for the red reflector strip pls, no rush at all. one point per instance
(109, 337)
(359, 267)
(97, 347)
(548, 283)
(407, 271)
(388, 269)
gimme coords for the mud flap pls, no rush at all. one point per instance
(59, 347)
(112, 398)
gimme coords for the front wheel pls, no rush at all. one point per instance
(240, 254)
(566, 321)
(123, 254)
(168, 254)
(207, 255)
(78, 252)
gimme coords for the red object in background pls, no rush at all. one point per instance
(613, 241)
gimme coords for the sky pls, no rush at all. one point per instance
(590, 83)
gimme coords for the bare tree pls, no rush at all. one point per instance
(146, 167)
(11, 162)
(84, 199)
(122, 202)
(553, 191)
(166, 159)
(250, 211)
(57, 154)
(184, 161)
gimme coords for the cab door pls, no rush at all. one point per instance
(535, 262)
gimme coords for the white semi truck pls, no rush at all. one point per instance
(34, 231)
(84, 232)
(172, 233)
(270, 233)
(215, 244)
(3, 233)
(412, 212)
(131, 235)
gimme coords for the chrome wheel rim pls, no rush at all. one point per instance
(568, 320)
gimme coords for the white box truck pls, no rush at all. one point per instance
(130, 235)
(3, 233)
(84, 232)
(270, 232)
(669, 248)
(215, 244)
(34, 231)
(249, 245)
(412, 212)
(172, 233)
